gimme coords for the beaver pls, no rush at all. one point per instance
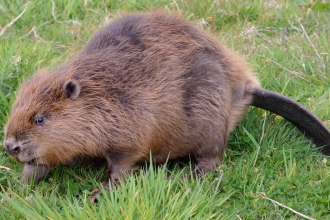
(148, 85)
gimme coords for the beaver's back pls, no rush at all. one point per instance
(169, 78)
(178, 79)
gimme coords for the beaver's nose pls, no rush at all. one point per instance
(12, 148)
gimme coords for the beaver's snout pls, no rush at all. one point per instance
(12, 148)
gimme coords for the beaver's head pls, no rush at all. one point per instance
(50, 122)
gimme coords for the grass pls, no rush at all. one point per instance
(285, 42)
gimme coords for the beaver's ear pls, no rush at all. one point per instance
(71, 89)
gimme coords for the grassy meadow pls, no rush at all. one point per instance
(270, 170)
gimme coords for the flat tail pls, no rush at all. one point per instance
(313, 128)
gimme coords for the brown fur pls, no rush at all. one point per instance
(147, 83)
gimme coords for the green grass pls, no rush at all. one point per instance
(266, 155)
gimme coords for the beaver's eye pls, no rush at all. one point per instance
(40, 120)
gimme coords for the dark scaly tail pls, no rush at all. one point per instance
(298, 115)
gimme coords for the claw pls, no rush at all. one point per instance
(97, 192)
